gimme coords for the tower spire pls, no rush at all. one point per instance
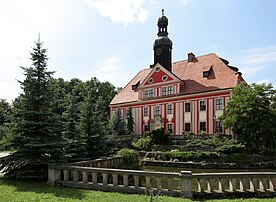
(163, 45)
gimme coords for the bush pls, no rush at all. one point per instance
(143, 144)
(159, 136)
(130, 158)
(238, 158)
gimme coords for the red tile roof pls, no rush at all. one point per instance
(220, 77)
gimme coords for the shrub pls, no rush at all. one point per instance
(130, 158)
(238, 158)
(159, 136)
(143, 144)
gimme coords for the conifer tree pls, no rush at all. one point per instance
(130, 121)
(117, 124)
(76, 146)
(35, 136)
(92, 126)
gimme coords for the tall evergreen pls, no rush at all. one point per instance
(92, 125)
(130, 121)
(76, 145)
(117, 124)
(35, 137)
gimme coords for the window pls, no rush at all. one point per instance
(202, 126)
(146, 94)
(206, 74)
(157, 110)
(151, 93)
(170, 90)
(170, 127)
(219, 104)
(169, 109)
(187, 127)
(219, 127)
(151, 80)
(164, 91)
(187, 107)
(157, 69)
(165, 78)
(146, 111)
(202, 105)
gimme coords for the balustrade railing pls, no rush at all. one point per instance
(185, 183)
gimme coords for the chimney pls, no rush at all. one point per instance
(191, 57)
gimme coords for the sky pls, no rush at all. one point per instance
(112, 39)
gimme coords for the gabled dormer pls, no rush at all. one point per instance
(160, 83)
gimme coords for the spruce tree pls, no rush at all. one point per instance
(118, 126)
(130, 121)
(92, 126)
(35, 136)
(76, 146)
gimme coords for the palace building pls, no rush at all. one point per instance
(186, 95)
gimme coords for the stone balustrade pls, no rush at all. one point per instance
(184, 184)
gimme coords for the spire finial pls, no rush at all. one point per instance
(162, 11)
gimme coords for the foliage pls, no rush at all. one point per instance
(5, 111)
(184, 156)
(251, 115)
(129, 121)
(39, 191)
(143, 143)
(130, 158)
(238, 158)
(159, 136)
(117, 123)
(35, 128)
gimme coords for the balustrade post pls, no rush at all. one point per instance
(158, 182)
(84, 177)
(209, 186)
(104, 178)
(148, 185)
(272, 184)
(125, 177)
(232, 184)
(170, 184)
(136, 181)
(75, 176)
(66, 175)
(242, 183)
(253, 184)
(200, 184)
(262, 184)
(186, 184)
(221, 187)
(53, 175)
(94, 178)
(115, 179)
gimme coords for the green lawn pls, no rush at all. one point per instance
(39, 191)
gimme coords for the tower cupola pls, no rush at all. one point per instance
(163, 45)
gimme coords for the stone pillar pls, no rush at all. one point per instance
(186, 184)
(53, 175)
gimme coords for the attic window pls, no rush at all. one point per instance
(165, 78)
(157, 69)
(151, 80)
(134, 87)
(206, 71)
(206, 74)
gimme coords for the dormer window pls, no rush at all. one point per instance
(206, 74)
(206, 71)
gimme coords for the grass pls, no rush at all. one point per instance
(39, 191)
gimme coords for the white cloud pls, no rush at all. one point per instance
(112, 71)
(121, 11)
(185, 2)
(254, 60)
